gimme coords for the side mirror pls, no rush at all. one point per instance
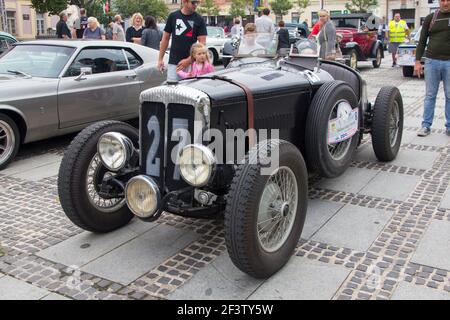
(86, 70)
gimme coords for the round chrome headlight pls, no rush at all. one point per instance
(143, 196)
(115, 150)
(197, 164)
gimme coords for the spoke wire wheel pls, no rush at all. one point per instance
(7, 141)
(338, 150)
(394, 124)
(277, 209)
(96, 172)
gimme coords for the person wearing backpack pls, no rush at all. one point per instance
(81, 24)
(435, 31)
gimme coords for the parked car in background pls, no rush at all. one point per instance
(407, 54)
(53, 87)
(214, 42)
(6, 41)
(359, 38)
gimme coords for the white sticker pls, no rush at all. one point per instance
(344, 126)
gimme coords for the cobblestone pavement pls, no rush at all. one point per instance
(380, 231)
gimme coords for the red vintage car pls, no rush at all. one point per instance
(359, 38)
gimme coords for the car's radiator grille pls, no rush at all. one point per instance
(156, 158)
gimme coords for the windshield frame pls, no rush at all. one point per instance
(25, 44)
(274, 46)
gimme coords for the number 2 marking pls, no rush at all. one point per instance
(153, 163)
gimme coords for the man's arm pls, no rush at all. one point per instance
(162, 49)
(202, 39)
(420, 50)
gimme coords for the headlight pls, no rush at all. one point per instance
(142, 196)
(197, 164)
(114, 150)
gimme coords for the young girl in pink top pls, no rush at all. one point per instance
(201, 64)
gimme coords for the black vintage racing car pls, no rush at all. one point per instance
(304, 113)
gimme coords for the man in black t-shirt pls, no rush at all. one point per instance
(186, 27)
(62, 30)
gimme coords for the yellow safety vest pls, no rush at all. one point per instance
(397, 33)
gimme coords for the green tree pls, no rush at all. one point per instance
(281, 7)
(302, 5)
(237, 8)
(53, 7)
(208, 8)
(155, 8)
(360, 6)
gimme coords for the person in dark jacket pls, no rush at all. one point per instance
(134, 32)
(62, 30)
(151, 36)
(283, 36)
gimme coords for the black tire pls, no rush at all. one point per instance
(9, 140)
(353, 59)
(241, 214)
(72, 180)
(214, 56)
(408, 71)
(377, 62)
(384, 144)
(318, 156)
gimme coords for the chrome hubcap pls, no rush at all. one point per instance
(7, 141)
(338, 150)
(277, 209)
(394, 124)
(95, 174)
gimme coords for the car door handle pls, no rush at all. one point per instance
(131, 76)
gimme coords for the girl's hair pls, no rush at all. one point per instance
(250, 27)
(197, 46)
(136, 15)
(150, 22)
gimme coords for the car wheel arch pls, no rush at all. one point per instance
(18, 117)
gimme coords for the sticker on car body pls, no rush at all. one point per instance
(345, 125)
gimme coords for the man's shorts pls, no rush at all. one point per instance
(393, 46)
(172, 73)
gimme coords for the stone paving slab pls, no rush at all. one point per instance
(352, 180)
(131, 260)
(353, 227)
(409, 291)
(445, 203)
(319, 212)
(434, 247)
(391, 186)
(415, 159)
(55, 296)
(13, 289)
(87, 246)
(39, 173)
(303, 279)
(22, 166)
(219, 280)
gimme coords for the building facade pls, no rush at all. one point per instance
(24, 22)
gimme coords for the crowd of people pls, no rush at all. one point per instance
(144, 32)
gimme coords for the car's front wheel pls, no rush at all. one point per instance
(408, 71)
(387, 123)
(213, 56)
(9, 140)
(377, 62)
(81, 175)
(266, 211)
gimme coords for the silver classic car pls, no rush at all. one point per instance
(53, 87)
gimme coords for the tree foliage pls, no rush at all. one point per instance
(237, 8)
(155, 8)
(281, 7)
(302, 5)
(53, 7)
(208, 8)
(360, 6)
